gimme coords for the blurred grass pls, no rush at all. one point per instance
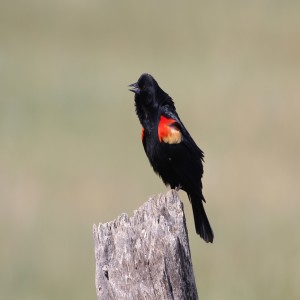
(70, 152)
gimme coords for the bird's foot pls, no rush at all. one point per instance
(177, 188)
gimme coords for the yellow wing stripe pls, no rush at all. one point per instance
(168, 132)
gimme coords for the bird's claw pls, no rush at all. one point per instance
(177, 188)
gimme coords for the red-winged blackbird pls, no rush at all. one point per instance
(172, 152)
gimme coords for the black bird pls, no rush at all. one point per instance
(172, 152)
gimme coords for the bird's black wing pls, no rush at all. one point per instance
(187, 140)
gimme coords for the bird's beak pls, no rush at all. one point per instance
(134, 88)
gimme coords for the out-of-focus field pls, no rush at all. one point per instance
(70, 149)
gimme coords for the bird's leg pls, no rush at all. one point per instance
(177, 188)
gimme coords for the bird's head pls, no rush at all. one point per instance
(149, 97)
(146, 91)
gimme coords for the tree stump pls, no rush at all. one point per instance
(146, 256)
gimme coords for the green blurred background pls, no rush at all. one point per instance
(71, 155)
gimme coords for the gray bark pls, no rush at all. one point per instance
(146, 256)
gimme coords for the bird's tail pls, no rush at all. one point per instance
(202, 225)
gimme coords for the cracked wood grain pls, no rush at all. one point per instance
(146, 256)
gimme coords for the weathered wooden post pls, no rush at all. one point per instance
(146, 256)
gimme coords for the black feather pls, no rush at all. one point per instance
(178, 161)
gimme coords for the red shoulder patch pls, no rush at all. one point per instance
(143, 133)
(168, 132)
